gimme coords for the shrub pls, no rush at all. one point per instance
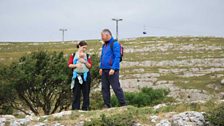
(6, 91)
(146, 96)
(40, 82)
(95, 71)
(216, 116)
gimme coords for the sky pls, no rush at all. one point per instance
(40, 20)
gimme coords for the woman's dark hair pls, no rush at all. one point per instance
(81, 43)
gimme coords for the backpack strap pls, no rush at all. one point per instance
(73, 55)
(112, 44)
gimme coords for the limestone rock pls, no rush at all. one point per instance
(190, 118)
(222, 81)
(164, 122)
(154, 118)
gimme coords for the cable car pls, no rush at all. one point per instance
(144, 30)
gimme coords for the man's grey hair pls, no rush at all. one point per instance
(106, 31)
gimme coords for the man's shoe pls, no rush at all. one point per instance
(85, 109)
(122, 105)
(105, 107)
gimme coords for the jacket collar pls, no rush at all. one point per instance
(111, 40)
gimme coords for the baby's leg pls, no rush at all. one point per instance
(85, 76)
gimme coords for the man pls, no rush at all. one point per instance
(109, 69)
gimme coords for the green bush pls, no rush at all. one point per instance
(216, 116)
(6, 91)
(39, 81)
(125, 119)
(146, 96)
(95, 71)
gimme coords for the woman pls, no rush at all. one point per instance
(81, 82)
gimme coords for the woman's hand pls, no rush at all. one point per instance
(72, 66)
(79, 66)
(82, 60)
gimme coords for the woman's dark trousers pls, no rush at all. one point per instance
(83, 89)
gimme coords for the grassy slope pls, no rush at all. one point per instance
(10, 52)
(139, 115)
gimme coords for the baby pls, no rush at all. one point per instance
(80, 71)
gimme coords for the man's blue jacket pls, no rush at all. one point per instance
(110, 59)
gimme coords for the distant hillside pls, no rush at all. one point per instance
(191, 67)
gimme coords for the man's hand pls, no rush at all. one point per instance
(111, 72)
(100, 72)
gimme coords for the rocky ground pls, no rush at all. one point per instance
(77, 118)
(171, 114)
(191, 68)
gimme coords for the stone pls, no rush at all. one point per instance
(40, 124)
(80, 123)
(214, 86)
(222, 81)
(33, 118)
(136, 124)
(190, 118)
(8, 116)
(159, 106)
(140, 70)
(57, 124)
(61, 114)
(221, 95)
(164, 122)
(20, 122)
(154, 118)
(2, 121)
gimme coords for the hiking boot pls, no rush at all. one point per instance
(122, 105)
(105, 107)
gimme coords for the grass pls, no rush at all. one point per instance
(140, 115)
(182, 107)
(129, 71)
(10, 52)
(200, 82)
(172, 55)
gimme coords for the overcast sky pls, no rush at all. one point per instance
(40, 20)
